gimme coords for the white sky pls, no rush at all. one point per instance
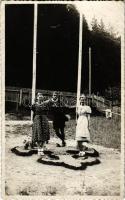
(111, 12)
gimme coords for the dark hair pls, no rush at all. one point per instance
(39, 93)
(81, 96)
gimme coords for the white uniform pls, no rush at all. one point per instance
(82, 129)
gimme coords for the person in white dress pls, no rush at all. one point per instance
(82, 128)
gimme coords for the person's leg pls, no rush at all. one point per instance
(85, 146)
(81, 148)
(26, 145)
(34, 133)
(63, 136)
(60, 134)
(57, 132)
(40, 148)
(79, 145)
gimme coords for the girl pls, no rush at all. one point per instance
(40, 131)
(82, 128)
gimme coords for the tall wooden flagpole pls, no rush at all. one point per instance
(79, 62)
(79, 59)
(34, 56)
(90, 71)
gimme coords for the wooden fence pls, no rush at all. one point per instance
(22, 96)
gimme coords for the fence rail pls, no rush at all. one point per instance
(22, 96)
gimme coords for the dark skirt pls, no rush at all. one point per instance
(40, 131)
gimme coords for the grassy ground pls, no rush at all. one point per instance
(105, 132)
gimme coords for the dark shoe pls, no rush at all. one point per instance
(26, 146)
(58, 145)
(63, 144)
(53, 157)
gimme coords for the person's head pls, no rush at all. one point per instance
(82, 99)
(40, 97)
(55, 96)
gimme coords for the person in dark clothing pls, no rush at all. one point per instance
(59, 120)
(59, 117)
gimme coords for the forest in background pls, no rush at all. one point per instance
(57, 50)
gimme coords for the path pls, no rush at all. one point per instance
(25, 176)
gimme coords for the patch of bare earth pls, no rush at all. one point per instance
(26, 176)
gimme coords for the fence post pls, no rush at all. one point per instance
(103, 102)
(92, 99)
(17, 102)
(21, 92)
(97, 100)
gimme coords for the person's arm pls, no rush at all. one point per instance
(88, 112)
(74, 106)
(46, 105)
(32, 107)
(68, 108)
(27, 105)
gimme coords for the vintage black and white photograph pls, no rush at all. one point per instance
(63, 64)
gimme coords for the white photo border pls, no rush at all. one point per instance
(2, 109)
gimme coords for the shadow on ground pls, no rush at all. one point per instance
(83, 166)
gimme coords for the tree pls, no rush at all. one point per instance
(101, 26)
(94, 25)
(106, 65)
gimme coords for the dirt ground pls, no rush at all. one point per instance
(93, 176)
